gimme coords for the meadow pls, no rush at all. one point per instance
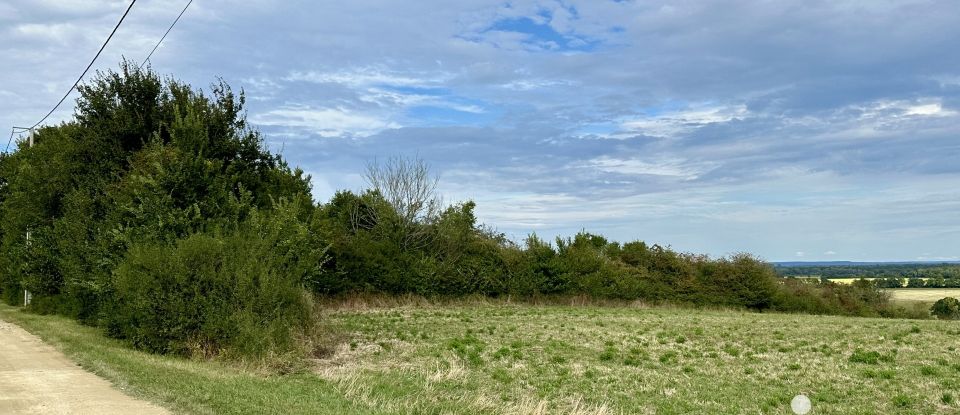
(489, 356)
(922, 295)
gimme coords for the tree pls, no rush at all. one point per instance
(946, 309)
(407, 186)
(889, 282)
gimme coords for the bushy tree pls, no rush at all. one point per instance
(946, 309)
(238, 290)
(889, 282)
(147, 167)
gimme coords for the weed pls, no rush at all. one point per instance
(731, 350)
(668, 357)
(870, 357)
(902, 401)
(608, 354)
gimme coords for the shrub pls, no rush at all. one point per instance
(946, 308)
(235, 293)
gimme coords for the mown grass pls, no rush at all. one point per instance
(494, 357)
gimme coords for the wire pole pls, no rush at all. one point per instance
(14, 131)
(27, 295)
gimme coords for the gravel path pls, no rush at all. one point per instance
(37, 379)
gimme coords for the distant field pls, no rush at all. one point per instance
(851, 280)
(848, 280)
(494, 358)
(925, 295)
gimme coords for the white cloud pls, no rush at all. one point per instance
(76, 6)
(386, 98)
(668, 167)
(679, 122)
(325, 122)
(934, 109)
(531, 84)
(895, 110)
(368, 76)
(54, 32)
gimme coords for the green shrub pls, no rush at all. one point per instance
(237, 293)
(946, 309)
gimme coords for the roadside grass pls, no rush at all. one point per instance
(182, 385)
(489, 356)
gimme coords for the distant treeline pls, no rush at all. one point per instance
(160, 216)
(897, 282)
(943, 271)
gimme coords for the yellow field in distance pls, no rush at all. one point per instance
(926, 295)
(851, 280)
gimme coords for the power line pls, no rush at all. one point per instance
(167, 33)
(85, 70)
(13, 132)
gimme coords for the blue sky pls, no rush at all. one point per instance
(796, 130)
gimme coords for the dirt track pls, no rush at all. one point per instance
(37, 379)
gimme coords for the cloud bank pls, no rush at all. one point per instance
(821, 130)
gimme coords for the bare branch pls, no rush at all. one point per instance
(406, 184)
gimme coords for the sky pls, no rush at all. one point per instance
(795, 130)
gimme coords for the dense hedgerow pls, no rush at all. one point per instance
(235, 291)
(158, 214)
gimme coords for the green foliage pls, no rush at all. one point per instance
(871, 357)
(872, 271)
(946, 309)
(145, 200)
(861, 298)
(239, 292)
(889, 282)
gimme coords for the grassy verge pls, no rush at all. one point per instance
(184, 386)
(494, 357)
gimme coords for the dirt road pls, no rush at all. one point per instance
(37, 379)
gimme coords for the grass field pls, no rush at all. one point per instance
(501, 358)
(911, 296)
(923, 295)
